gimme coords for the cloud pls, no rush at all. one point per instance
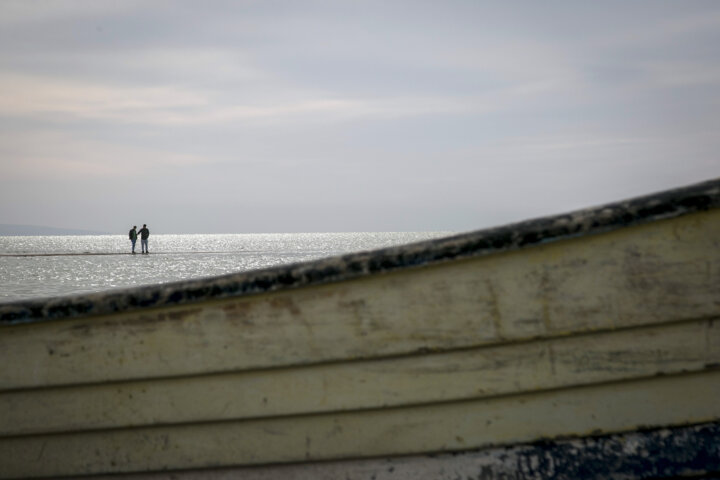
(664, 29)
(381, 111)
(54, 155)
(168, 106)
(45, 96)
(52, 95)
(680, 73)
(20, 12)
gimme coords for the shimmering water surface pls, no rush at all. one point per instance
(46, 266)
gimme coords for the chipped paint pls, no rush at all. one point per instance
(670, 204)
(563, 327)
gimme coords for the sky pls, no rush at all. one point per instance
(333, 115)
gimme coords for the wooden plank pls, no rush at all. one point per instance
(668, 453)
(660, 272)
(664, 400)
(477, 373)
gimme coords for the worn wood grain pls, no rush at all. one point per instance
(665, 400)
(668, 453)
(564, 327)
(467, 374)
(661, 272)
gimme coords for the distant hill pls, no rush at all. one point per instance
(15, 230)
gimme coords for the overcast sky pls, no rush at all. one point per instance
(305, 116)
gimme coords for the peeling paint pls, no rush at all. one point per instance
(579, 335)
(673, 203)
(667, 453)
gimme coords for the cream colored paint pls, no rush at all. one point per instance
(608, 407)
(660, 272)
(466, 374)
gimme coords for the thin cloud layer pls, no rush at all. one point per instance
(329, 116)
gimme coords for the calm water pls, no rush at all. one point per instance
(46, 266)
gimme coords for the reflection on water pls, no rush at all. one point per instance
(44, 266)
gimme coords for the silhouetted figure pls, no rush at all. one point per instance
(133, 237)
(144, 234)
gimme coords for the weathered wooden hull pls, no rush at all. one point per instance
(588, 324)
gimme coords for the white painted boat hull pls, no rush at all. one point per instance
(581, 335)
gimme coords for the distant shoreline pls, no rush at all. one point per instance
(63, 254)
(86, 254)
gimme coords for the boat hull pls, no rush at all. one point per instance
(582, 336)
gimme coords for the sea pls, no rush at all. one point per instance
(51, 266)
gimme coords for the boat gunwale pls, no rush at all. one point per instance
(515, 236)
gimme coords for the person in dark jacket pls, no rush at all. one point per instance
(133, 237)
(144, 234)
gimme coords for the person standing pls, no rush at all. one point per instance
(144, 234)
(133, 237)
